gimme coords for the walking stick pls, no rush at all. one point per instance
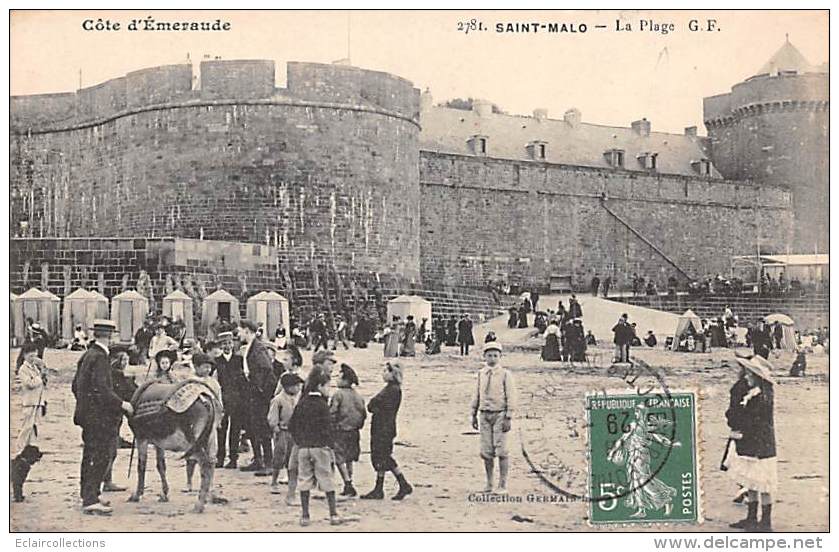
(723, 466)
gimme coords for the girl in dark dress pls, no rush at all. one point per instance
(523, 310)
(451, 332)
(384, 408)
(751, 418)
(513, 320)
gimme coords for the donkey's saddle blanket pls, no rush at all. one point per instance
(151, 398)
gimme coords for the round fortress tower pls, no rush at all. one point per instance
(774, 128)
(325, 169)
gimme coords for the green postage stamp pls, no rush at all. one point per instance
(643, 459)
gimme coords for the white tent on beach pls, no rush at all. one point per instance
(128, 311)
(270, 309)
(81, 308)
(405, 305)
(686, 321)
(788, 326)
(41, 306)
(218, 305)
(178, 306)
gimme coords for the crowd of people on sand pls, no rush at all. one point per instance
(300, 429)
(401, 335)
(752, 463)
(762, 337)
(565, 338)
(297, 428)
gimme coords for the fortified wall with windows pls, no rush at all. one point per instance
(350, 179)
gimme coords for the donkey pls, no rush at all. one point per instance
(178, 417)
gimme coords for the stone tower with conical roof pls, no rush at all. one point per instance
(773, 128)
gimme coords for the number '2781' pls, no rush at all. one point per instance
(469, 26)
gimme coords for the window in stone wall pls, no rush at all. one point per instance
(648, 160)
(702, 167)
(478, 144)
(614, 157)
(537, 150)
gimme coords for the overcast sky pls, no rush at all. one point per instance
(612, 77)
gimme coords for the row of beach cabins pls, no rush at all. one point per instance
(130, 308)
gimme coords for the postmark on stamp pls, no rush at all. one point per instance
(643, 460)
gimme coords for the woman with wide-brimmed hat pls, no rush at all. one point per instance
(751, 419)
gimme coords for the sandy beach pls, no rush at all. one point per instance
(439, 453)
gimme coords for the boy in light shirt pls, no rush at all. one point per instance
(279, 415)
(493, 405)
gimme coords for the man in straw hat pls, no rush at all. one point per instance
(751, 418)
(493, 405)
(98, 412)
(229, 372)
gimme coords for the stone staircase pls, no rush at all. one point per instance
(445, 301)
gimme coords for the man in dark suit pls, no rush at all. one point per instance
(465, 338)
(317, 330)
(623, 338)
(231, 379)
(258, 371)
(98, 412)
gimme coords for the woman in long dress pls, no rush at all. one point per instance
(632, 450)
(751, 418)
(32, 378)
(409, 336)
(550, 351)
(523, 310)
(392, 339)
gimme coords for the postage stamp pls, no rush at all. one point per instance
(643, 459)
